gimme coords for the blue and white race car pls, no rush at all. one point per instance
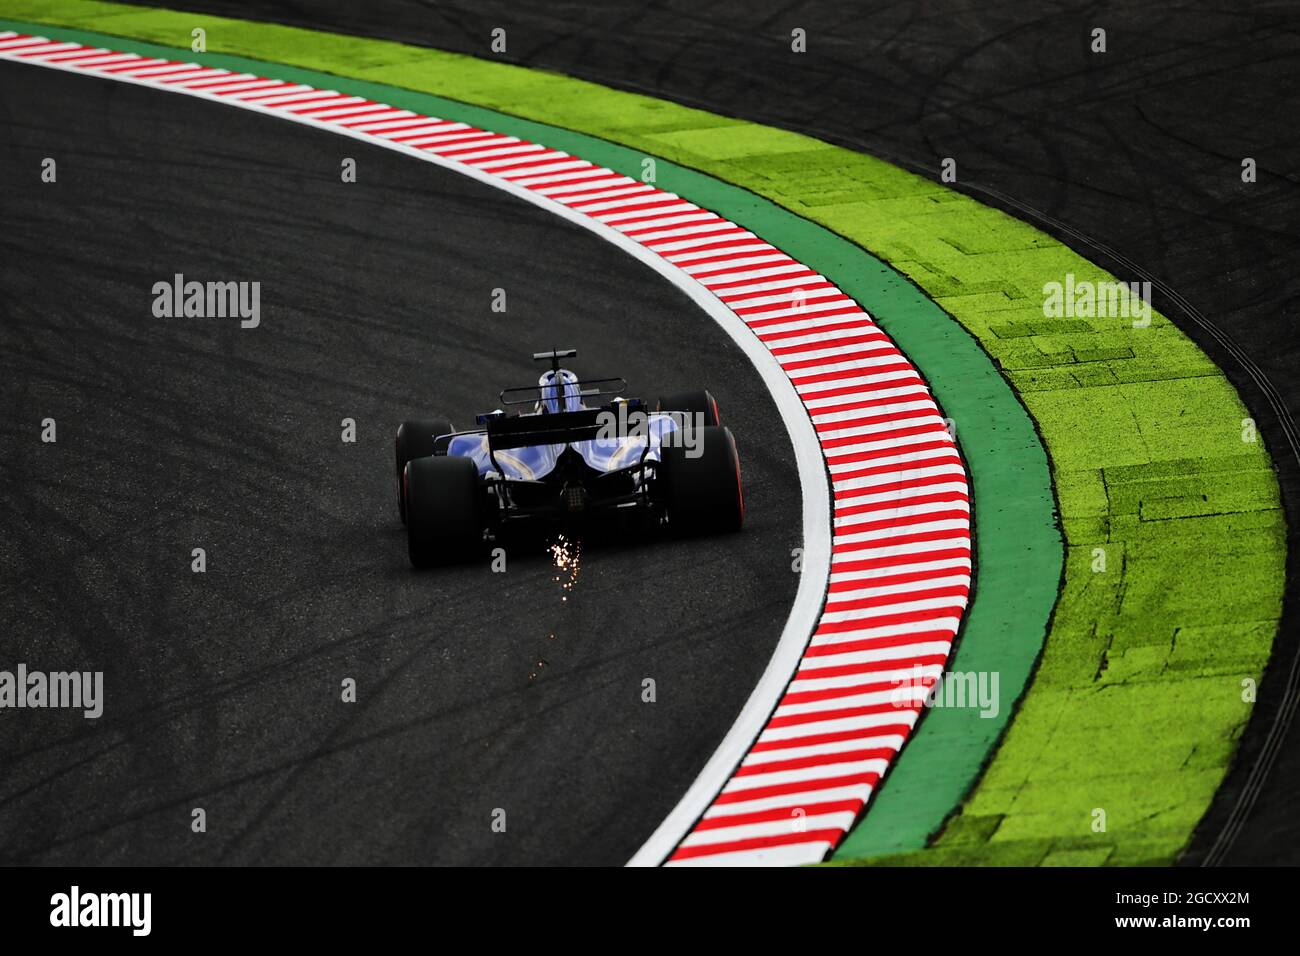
(569, 457)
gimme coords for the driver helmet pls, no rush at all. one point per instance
(560, 392)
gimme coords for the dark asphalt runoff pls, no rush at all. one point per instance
(1132, 157)
(481, 697)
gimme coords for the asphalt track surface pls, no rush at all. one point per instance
(476, 691)
(1132, 157)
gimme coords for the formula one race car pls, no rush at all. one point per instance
(567, 457)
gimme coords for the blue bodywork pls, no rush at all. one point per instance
(560, 392)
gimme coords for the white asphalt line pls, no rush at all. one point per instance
(768, 301)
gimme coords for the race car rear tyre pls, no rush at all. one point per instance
(443, 521)
(700, 403)
(703, 494)
(415, 440)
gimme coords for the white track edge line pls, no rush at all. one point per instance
(813, 480)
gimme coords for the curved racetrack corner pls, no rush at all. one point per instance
(1132, 158)
(475, 691)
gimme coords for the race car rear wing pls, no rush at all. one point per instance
(559, 428)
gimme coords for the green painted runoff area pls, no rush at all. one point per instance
(1170, 593)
